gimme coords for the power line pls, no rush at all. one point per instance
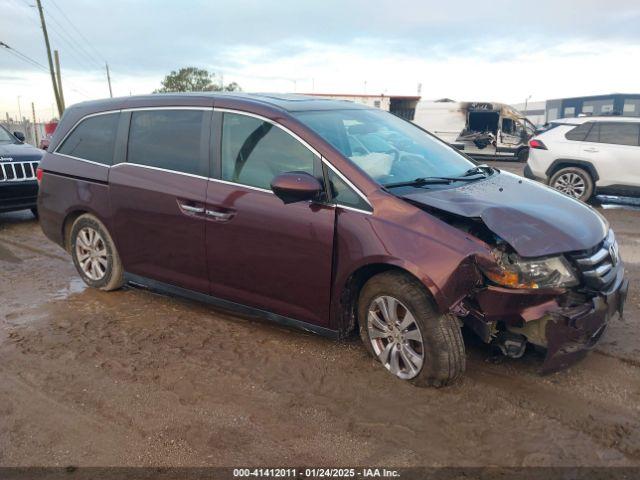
(80, 51)
(81, 56)
(22, 56)
(76, 46)
(102, 57)
(36, 64)
(73, 51)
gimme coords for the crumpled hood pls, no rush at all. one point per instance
(534, 219)
(19, 152)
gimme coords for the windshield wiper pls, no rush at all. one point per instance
(418, 182)
(479, 170)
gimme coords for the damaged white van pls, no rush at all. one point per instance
(482, 130)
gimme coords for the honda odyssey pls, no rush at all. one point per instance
(269, 205)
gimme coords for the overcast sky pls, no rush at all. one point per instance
(491, 50)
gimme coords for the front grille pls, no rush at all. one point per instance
(599, 266)
(18, 171)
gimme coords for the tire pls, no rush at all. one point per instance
(573, 181)
(523, 155)
(441, 347)
(34, 211)
(103, 268)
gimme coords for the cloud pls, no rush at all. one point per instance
(335, 44)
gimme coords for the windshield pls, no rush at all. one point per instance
(6, 137)
(386, 147)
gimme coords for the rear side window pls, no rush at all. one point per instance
(580, 132)
(93, 139)
(169, 139)
(255, 151)
(620, 133)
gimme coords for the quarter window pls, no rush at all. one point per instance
(93, 139)
(255, 151)
(343, 194)
(174, 140)
(579, 133)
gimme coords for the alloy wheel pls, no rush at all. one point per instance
(395, 337)
(572, 184)
(91, 252)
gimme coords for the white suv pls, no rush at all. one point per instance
(588, 155)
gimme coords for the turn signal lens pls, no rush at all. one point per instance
(39, 174)
(508, 278)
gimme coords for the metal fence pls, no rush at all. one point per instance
(32, 135)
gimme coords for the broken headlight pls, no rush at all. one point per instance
(515, 272)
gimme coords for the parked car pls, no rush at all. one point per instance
(258, 203)
(587, 156)
(18, 165)
(483, 130)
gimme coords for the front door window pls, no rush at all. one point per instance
(254, 151)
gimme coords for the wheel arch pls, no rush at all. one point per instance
(349, 293)
(567, 162)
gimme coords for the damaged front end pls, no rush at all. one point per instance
(554, 277)
(562, 303)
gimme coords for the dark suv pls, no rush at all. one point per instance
(267, 205)
(18, 165)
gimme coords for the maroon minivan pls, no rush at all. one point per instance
(332, 217)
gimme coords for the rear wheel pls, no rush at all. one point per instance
(94, 254)
(573, 181)
(402, 329)
(522, 155)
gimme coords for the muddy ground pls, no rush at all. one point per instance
(135, 378)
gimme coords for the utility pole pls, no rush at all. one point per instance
(35, 126)
(109, 80)
(59, 77)
(46, 42)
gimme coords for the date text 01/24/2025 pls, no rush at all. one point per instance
(314, 473)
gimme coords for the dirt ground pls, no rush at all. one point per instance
(135, 378)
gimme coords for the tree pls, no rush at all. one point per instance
(192, 79)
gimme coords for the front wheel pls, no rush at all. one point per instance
(94, 254)
(401, 327)
(573, 181)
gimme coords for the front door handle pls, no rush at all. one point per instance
(191, 209)
(221, 216)
(591, 149)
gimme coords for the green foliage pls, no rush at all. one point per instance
(192, 79)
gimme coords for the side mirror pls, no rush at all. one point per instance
(291, 187)
(19, 135)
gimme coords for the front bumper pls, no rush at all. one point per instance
(528, 173)
(567, 332)
(571, 333)
(18, 195)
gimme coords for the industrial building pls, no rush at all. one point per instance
(625, 104)
(401, 105)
